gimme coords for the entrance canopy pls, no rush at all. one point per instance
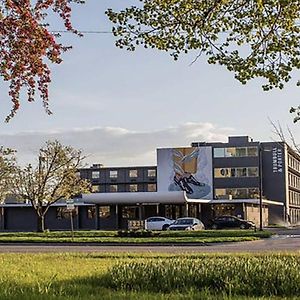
(140, 198)
(161, 198)
(250, 201)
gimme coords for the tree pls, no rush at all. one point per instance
(55, 177)
(7, 169)
(252, 38)
(27, 47)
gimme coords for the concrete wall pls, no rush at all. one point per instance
(252, 214)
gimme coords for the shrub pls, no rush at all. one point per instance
(136, 233)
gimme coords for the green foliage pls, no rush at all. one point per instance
(296, 111)
(54, 178)
(85, 276)
(264, 275)
(7, 171)
(252, 38)
(133, 237)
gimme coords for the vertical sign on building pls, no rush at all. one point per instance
(186, 169)
(277, 160)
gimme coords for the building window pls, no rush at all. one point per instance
(151, 187)
(241, 172)
(113, 188)
(253, 172)
(241, 152)
(91, 212)
(224, 172)
(133, 188)
(237, 193)
(64, 213)
(133, 173)
(230, 152)
(236, 172)
(151, 173)
(235, 152)
(252, 151)
(95, 174)
(220, 193)
(219, 152)
(223, 209)
(130, 212)
(241, 193)
(104, 211)
(95, 188)
(113, 174)
(253, 193)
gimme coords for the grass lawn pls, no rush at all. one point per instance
(201, 237)
(85, 276)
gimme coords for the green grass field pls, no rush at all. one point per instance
(201, 237)
(94, 276)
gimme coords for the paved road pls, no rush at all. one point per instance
(281, 243)
(286, 240)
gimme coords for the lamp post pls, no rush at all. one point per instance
(260, 150)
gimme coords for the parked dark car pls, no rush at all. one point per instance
(228, 222)
(187, 224)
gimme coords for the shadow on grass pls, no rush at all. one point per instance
(99, 287)
(93, 288)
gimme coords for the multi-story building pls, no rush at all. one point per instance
(204, 180)
(292, 179)
(122, 179)
(242, 171)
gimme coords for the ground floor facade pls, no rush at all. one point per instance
(118, 216)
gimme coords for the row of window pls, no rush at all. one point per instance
(237, 193)
(132, 173)
(236, 172)
(113, 188)
(294, 163)
(235, 152)
(294, 216)
(128, 212)
(294, 181)
(294, 198)
(64, 213)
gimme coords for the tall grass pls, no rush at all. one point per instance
(264, 275)
(88, 276)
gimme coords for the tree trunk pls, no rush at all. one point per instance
(40, 224)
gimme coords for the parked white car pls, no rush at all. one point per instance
(158, 223)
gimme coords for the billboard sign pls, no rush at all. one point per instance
(186, 169)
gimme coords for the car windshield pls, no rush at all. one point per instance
(184, 222)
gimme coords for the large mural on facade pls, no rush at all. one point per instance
(186, 169)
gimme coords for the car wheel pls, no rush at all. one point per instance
(243, 226)
(214, 226)
(165, 227)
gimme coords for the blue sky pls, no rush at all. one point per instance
(143, 98)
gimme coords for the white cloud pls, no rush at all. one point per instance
(114, 146)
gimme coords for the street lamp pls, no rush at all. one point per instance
(260, 187)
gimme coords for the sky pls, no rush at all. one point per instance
(119, 106)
